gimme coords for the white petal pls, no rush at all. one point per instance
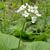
(28, 10)
(26, 4)
(26, 15)
(29, 6)
(38, 14)
(32, 11)
(34, 19)
(17, 11)
(32, 7)
(36, 7)
(23, 6)
(23, 14)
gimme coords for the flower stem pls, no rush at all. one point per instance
(21, 1)
(20, 36)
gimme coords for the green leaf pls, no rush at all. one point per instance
(2, 5)
(36, 45)
(41, 23)
(8, 42)
(48, 22)
(16, 30)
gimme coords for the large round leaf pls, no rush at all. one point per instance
(8, 42)
(36, 45)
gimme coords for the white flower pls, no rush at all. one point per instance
(28, 10)
(22, 7)
(26, 14)
(31, 7)
(38, 14)
(23, 14)
(34, 19)
(17, 11)
(32, 11)
(35, 7)
(26, 4)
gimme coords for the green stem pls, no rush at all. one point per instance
(21, 1)
(20, 36)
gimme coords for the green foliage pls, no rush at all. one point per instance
(2, 5)
(37, 46)
(13, 25)
(8, 42)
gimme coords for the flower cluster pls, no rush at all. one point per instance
(28, 10)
